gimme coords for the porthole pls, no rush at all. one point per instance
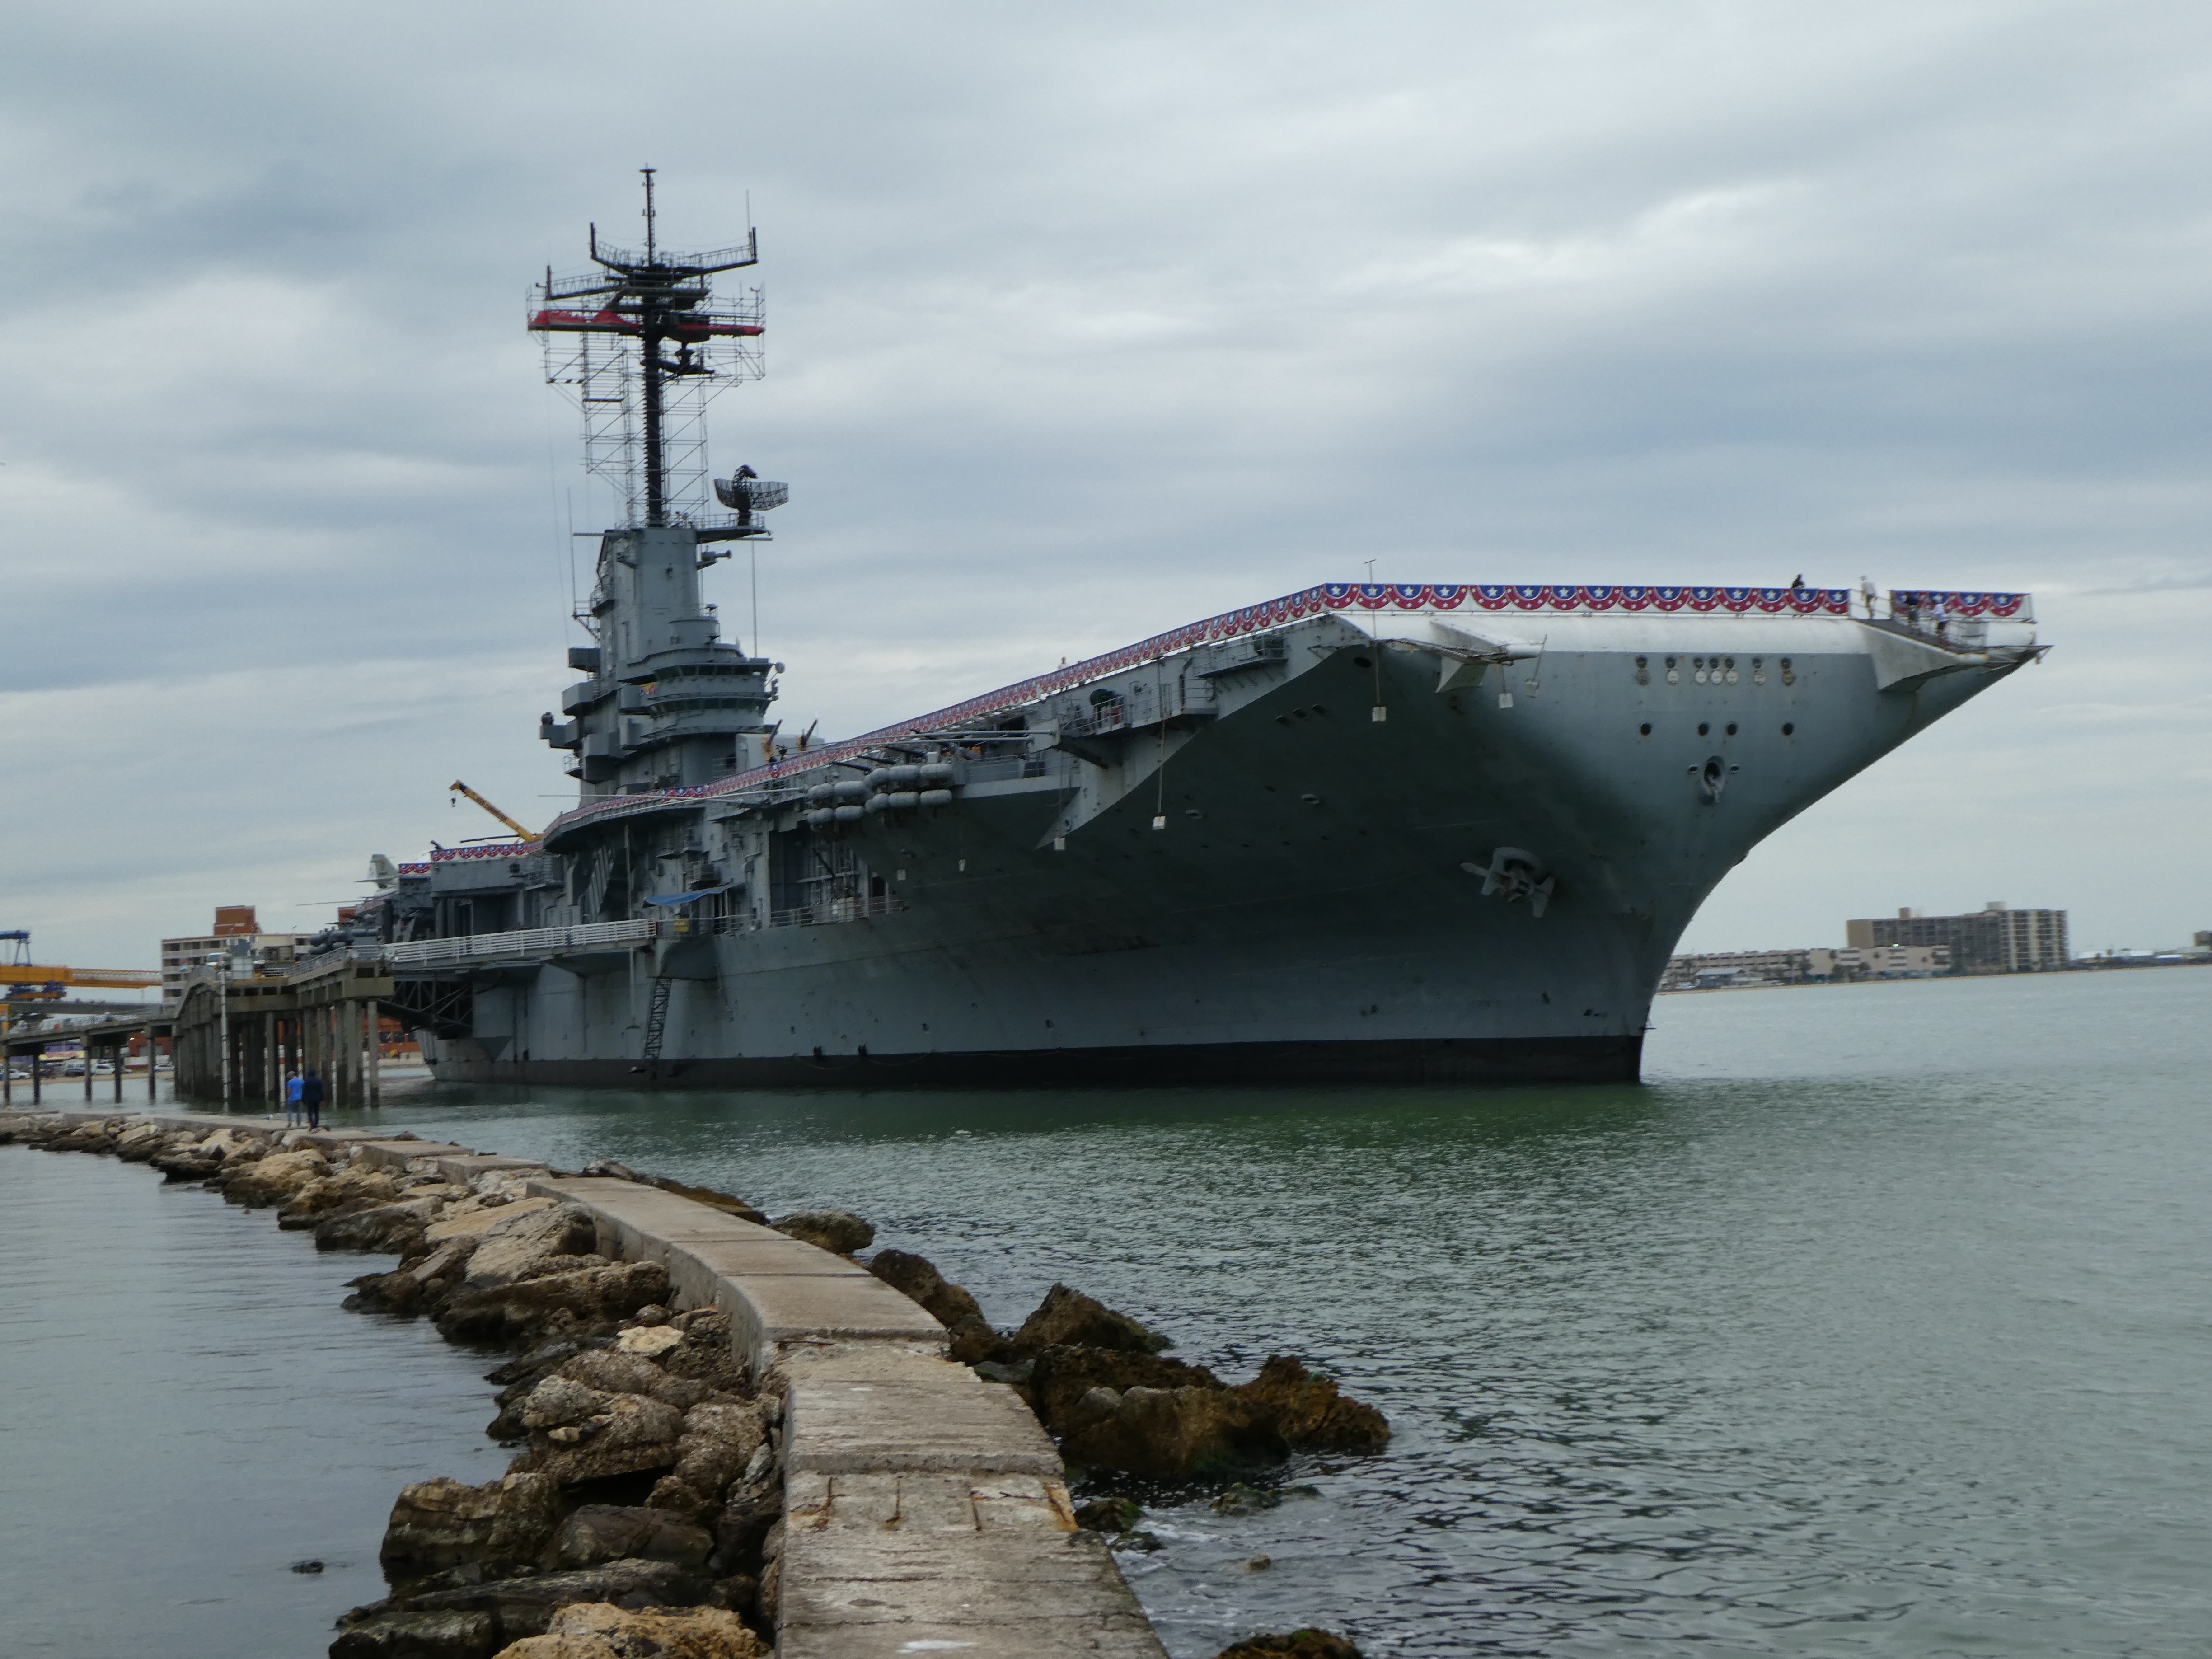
(1362, 662)
(1731, 728)
(1644, 729)
(1788, 729)
(1703, 728)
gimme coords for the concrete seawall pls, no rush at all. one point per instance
(926, 1511)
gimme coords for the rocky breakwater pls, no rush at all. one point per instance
(731, 1435)
(1102, 1383)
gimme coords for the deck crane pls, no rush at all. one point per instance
(460, 788)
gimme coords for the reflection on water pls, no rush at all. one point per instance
(188, 1412)
(1873, 1324)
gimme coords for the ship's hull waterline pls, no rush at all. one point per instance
(1217, 864)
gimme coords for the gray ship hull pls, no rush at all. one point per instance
(1230, 870)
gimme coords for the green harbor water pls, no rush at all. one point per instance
(1877, 1322)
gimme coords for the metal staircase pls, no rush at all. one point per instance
(656, 1019)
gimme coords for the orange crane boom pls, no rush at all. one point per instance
(460, 788)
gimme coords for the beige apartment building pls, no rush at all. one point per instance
(235, 925)
(1881, 962)
(1992, 940)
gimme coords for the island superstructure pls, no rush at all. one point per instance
(1362, 832)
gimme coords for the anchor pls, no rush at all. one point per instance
(1517, 874)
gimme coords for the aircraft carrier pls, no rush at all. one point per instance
(1365, 832)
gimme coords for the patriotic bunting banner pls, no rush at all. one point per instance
(1374, 597)
(2006, 606)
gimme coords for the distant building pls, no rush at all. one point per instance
(1881, 962)
(1736, 969)
(235, 926)
(1990, 940)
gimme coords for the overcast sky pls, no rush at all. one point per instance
(1085, 322)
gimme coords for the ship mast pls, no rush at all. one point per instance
(643, 411)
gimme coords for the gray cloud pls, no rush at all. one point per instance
(1082, 325)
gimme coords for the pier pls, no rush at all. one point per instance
(110, 1036)
(238, 1040)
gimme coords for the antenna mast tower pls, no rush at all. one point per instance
(644, 409)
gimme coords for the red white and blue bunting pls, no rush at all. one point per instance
(2006, 606)
(1555, 600)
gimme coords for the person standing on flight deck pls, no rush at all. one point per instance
(311, 1096)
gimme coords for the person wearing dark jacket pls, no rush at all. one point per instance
(311, 1096)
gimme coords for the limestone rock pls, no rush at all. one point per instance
(741, 1530)
(1309, 1413)
(559, 1400)
(1299, 1644)
(339, 1192)
(631, 1435)
(649, 1341)
(527, 1607)
(839, 1231)
(653, 1633)
(182, 1157)
(1063, 1376)
(718, 1443)
(419, 1636)
(60, 1135)
(522, 1375)
(558, 1647)
(501, 1524)
(420, 1284)
(140, 1142)
(395, 1227)
(1168, 1434)
(599, 1533)
(541, 1360)
(974, 1341)
(528, 1245)
(273, 1179)
(600, 1294)
(1070, 1319)
(706, 1355)
(475, 1224)
(617, 1372)
(235, 1146)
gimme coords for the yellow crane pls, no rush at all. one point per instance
(23, 982)
(24, 979)
(460, 788)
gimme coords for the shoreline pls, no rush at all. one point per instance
(802, 1403)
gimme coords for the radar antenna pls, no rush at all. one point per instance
(644, 410)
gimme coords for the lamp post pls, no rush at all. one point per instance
(220, 962)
